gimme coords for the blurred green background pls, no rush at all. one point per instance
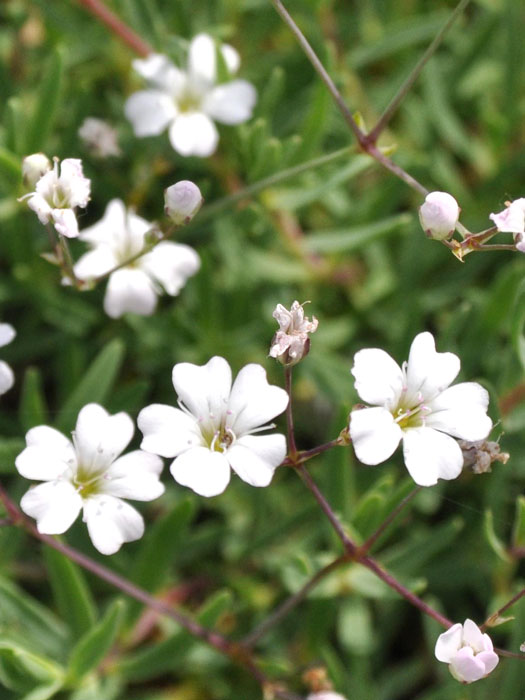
(344, 235)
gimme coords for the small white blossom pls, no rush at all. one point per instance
(439, 215)
(89, 475)
(512, 220)
(212, 431)
(116, 238)
(7, 378)
(182, 201)
(33, 167)
(99, 137)
(416, 404)
(291, 342)
(468, 652)
(325, 695)
(57, 194)
(187, 102)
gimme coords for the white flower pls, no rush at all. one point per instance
(182, 201)
(468, 652)
(439, 215)
(416, 404)
(115, 239)
(99, 137)
(33, 167)
(212, 431)
(325, 695)
(291, 342)
(187, 102)
(88, 474)
(56, 196)
(512, 220)
(7, 378)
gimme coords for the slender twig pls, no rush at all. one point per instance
(414, 74)
(287, 605)
(117, 26)
(5, 522)
(492, 618)
(396, 169)
(305, 455)
(369, 543)
(289, 413)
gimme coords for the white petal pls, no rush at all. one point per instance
(472, 635)
(167, 431)
(489, 659)
(431, 455)
(171, 264)
(111, 522)
(255, 458)
(73, 182)
(130, 290)
(378, 378)
(511, 219)
(150, 112)
(99, 437)
(205, 472)
(194, 134)
(375, 435)
(54, 505)
(204, 390)
(113, 220)
(461, 411)
(95, 263)
(65, 222)
(46, 437)
(47, 456)
(39, 205)
(7, 333)
(448, 643)
(231, 58)
(230, 103)
(253, 402)
(160, 71)
(466, 667)
(7, 378)
(136, 476)
(429, 372)
(202, 60)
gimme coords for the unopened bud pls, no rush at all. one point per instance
(182, 201)
(33, 167)
(291, 342)
(439, 215)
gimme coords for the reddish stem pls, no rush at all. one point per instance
(117, 26)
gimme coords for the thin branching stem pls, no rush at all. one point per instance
(99, 10)
(493, 618)
(369, 543)
(305, 455)
(289, 413)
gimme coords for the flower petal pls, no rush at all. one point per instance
(65, 222)
(466, 667)
(230, 103)
(489, 659)
(255, 458)
(375, 435)
(202, 64)
(167, 431)
(41, 208)
(448, 643)
(194, 134)
(114, 219)
(378, 378)
(54, 505)
(158, 70)
(111, 522)
(150, 112)
(205, 472)
(47, 456)
(94, 263)
(136, 476)
(473, 636)
(512, 218)
(429, 372)
(7, 334)
(100, 438)
(7, 378)
(130, 290)
(431, 455)
(461, 411)
(171, 264)
(253, 402)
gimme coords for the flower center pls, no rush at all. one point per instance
(222, 439)
(411, 416)
(86, 482)
(189, 101)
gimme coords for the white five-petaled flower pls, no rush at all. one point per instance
(439, 215)
(88, 474)
(57, 193)
(291, 342)
(512, 220)
(189, 101)
(118, 237)
(416, 404)
(468, 652)
(7, 378)
(212, 431)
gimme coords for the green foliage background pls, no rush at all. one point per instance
(344, 235)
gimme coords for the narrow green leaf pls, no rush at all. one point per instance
(352, 238)
(95, 644)
(518, 323)
(272, 93)
(43, 692)
(96, 384)
(72, 595)
(32, 409)
(10, 165)
(14, 126)
(214, 607)
(21, 667)
(518, 531)
(493, 540)
(41, 122)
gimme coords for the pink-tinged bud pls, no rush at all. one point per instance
(439, 215)
(291, 342)
(182, 201)
(33, 167)
(467, 651)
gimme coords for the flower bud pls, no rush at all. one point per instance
(468, 652)
(33, 167)
(99, 137)
(439, 215)
(182, 201)
(291, 342)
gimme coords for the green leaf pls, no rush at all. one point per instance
(10, 165)
(96, 385)
(21, 667)
(32, 409)
(72, 595)
(43, 692)
(518, 323)
(10, 448)
(14, 125)
(354, 237)
(95, 644)
(41, 122)
(490, 534)
(518, 531)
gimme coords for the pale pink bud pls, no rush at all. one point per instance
(33, 167)
(468, 652)
(182, 201)
(439, 215)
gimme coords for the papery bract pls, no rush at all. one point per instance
(468, 652)
(213, 430)
(291, 342)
